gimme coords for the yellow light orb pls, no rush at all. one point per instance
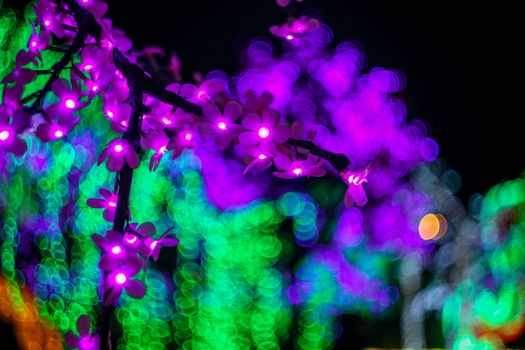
(429, 227)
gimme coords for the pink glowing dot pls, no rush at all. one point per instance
(289, 37)
(351, 179)
(85, 1)
(188, 136)
(33, 43)
(124, 123)
(153, 245)
(297, 171)
(94, 88)
(70, 103)
(263, 132)
(4, 135)
(201, 94)
(112, 204)
(221, 125)
(262, 156)
(120, 278)
(166, 121)
(116, 250)
(88, 67)
(110, 114)
(131, 239)
(58, 134)
(47, 23)
(162, 150)
(118, 148)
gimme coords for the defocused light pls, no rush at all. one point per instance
(432, 226)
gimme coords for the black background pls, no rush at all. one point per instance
(462, 62)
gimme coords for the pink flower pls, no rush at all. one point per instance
(39, 42)
(296, 28)
(22, 75)
(69, 96)
(84, 340)
(96, 7)
(120, 279)
(118, 152)
(257, 159)
(204, 93)
(222, 124)
(355, 192)
(151, 246)
(108, 202)
(158, 142)
(57, 128)
(10, 127)
(115, 252)
(264, 132)
(312, 166)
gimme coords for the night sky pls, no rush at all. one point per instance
(463, 68)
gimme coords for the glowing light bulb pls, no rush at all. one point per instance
(94, 88)
(162, 150)
(120, 278)
(4, 135)
(221, 125)
(70, 103)
(116, 250)
(118, 148)
(166, 121)
(124, 123)
(262, 156)
(188, 136)
(110, 114)
(131, 239)
(112, 204)
(201, 94)
(58, 134)
(86, 343)
(297, 171)
(289, 37)
(263, 132)
(88, 67)
(351, 179)
(47, 23)
(153, 245)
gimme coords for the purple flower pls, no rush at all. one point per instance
(118, 152)
(45, 11)
(312, 166)
(115, 252)
(54, 130)
(151, 246)
(69, 96)
(355, 192)
(10, 127)
(96, 7)
(257, 159)
(108, 202)
(158, 142)
(120, 279)
(22, 75)
(204, 93)
(85, 340)
(296, 28)
(39, 42)
(264, 132)
(222, 123)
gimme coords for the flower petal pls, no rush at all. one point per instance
(135, 289)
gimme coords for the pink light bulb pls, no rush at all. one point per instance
(112, 204)
(33, 43)
(289, 37)
(118, 148)
(162, 150)
(263, 132)
(47, 23)
(297, 171)
(351, 179)
(221, 125)
(262, 156)
(188, 136)
(120, 278)
(58, 134)
(4, 135)
(70, 103)
(131, 239)
(110, 114)
(201, 95)
(166, 121)
(94, 88)
(153, 245)
(116, 250)
(88, 67)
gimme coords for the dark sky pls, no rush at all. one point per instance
(462, 63)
